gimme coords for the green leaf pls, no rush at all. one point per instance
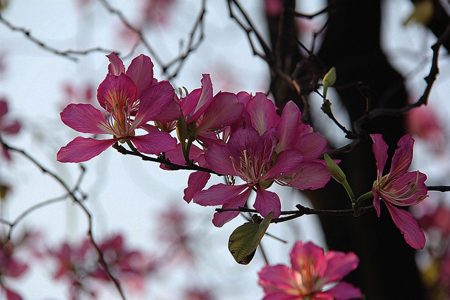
(245, 239)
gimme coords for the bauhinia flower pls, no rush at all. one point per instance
(399, 187)
(310, 275)
(131, 100)
(248, 156)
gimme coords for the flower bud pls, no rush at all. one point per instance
(334, 170)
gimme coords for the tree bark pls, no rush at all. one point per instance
(387, 268)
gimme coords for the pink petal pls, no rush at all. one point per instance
(153, 103)
(11, 295)
(115, 66)
(116, 92)
(197, 181)
(287, 128)
(376, 201)
(176, 156)
(218, 159)
(287, 162)
(218, 194)
(407, 194)
(83, 149)
(12, 128)
(263, 113)
(379, 148)
(408, 227)
(170, 113)
(154, 142)
(231, 196)
(310, 175)
(344, 291)
(205, 99)
(85, 118)
(402, 158)
(307, 253)
(338, 265)
(267, 202)
(3, 108)
(312, 145)
(280, 296)
(223, 111)
(277, 279)
(141, 72)
(220, 218)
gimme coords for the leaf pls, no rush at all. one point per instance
(245, 239)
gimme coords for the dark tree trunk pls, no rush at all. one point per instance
(387, 268)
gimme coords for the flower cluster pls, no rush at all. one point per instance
(240, 136)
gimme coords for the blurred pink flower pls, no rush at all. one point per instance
(78, 94)
(399, 187)
(274, 8)
(131, 100)
(7, 127)
(310, 274)
(423, 123)
(438, 218)
(10, 267)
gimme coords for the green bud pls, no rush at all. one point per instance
(328, 80)
(334, 170)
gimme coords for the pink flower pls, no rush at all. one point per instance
(294, 134)
(7, 127)
(399, 187)
(208, 119)
(311, 271)
(267, 149)
(248, 156)
(207, 115)
(423, 123)
(10, 267)
(131, 100)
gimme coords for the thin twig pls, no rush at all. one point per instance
(192, 44)
(163, 160)
(127, 23)
(65, 53)
(303, 210)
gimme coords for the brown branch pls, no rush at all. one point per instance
(192, 44)
(303, 210)
(438, 188)
(423, 100)
(65, 53)
(163, 160)
(249, 29)
(127, 23)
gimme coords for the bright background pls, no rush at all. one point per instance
(126, 195)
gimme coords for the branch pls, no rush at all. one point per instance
(303, 210)
(127, 23)
(423, 100)
(250, 28)
(163, 160)
(67, 53)
(191, 46)
(78, 201)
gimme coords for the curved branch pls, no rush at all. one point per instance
(66, 53)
